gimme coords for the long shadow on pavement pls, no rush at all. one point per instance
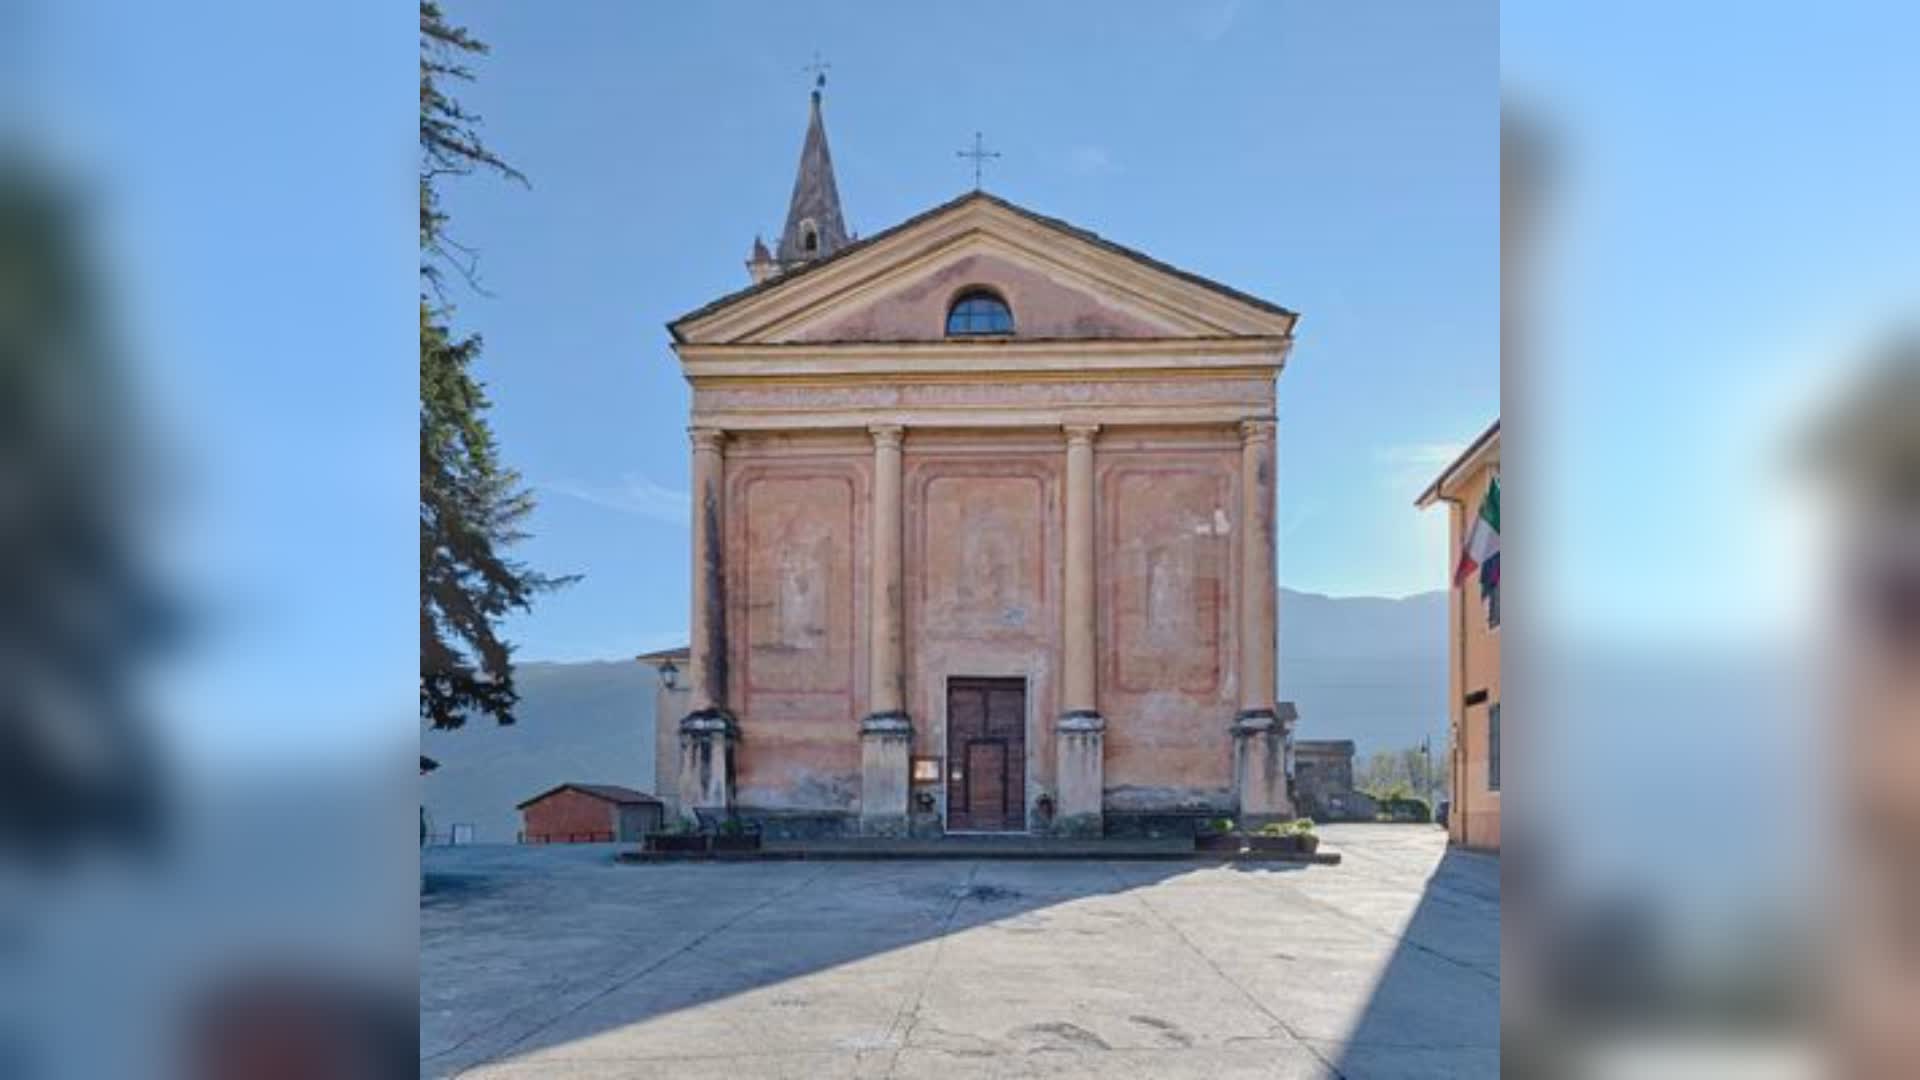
(1435, 1010)
(523, 951)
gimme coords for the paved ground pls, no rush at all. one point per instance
(559, 962)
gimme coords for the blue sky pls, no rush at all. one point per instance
(1730, 228)
(1732, 222)
(1340, 162)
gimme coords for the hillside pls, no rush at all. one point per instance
(1363, 668)
(590, 722)
(1366, 668)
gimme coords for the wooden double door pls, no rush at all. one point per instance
(986, 755)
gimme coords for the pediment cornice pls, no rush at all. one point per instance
(1173, 303)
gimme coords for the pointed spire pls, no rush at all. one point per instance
(760, 264)
(815, 228)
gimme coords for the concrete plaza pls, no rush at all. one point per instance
(558, 961)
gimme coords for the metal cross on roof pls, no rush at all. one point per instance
(979, 154)
(817, 69)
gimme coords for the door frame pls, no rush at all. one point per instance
(1025, 679)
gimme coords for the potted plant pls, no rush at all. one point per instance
(677, 835)
(736, 835)
(1290, 837)
(1217, 834)
(1277, 836)
(1303, 832)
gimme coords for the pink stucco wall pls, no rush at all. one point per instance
(1043, 307)
(1167, 536)
(983, 550)
(983, 572)
(796, 527)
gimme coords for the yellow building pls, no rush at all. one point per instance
(1473, 641)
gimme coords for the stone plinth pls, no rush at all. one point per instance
(1260, 767)
(1081, 773)
(707, 738)
(886, 746)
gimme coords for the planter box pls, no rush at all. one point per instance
(742, 842)
(1217, 841)
(1309, 843)
(1287, 844)
(676, 842)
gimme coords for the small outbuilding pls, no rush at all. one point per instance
(588, 813)
(1323, 780)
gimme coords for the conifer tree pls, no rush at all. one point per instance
(472, 507)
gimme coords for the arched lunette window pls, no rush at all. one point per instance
(978, 311)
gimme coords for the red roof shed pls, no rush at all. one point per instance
(588, 813)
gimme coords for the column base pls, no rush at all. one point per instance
(1080, 762)
(1260, 767)
(886, 745)
(707, 738)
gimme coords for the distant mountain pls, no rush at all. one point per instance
(1369, 669)
(587, 723)
(1366, 668)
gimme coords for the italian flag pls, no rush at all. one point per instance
(1482, 548)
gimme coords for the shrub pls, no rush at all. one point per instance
(1406, 808)
(733, 826)
(1296, 827)
(1217, 825)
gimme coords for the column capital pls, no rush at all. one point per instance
(1080, 433)
(1258, 429)
(886, 435)
(1081, 720)
(706, 438)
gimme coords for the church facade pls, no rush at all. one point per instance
(983, 531)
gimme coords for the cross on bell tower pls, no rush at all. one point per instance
(980, 155)
(818, 69)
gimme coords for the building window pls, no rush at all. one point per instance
(809, 237)
(1493, 747)
(979, 312)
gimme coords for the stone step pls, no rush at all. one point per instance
(982, 847)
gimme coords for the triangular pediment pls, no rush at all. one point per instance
(1062, 284)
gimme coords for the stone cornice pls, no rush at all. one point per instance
(918, 358)
(977, 225)
(756, 405)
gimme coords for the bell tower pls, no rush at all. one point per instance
(815, 228)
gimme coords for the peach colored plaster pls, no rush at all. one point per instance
(984, 555)
(1042, 307)
(1475, 818)
(984, 571)
(1169, 508)
(797, 560)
